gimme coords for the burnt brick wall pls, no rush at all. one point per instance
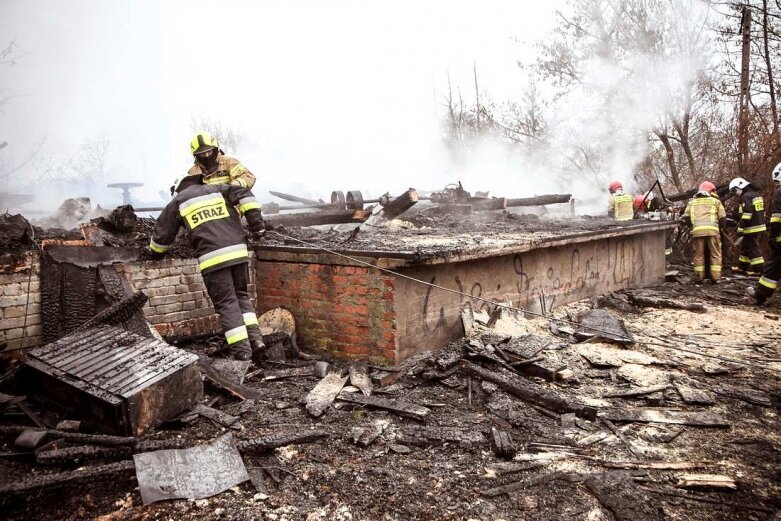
(15, 302)
(344, 310)
(178, 302)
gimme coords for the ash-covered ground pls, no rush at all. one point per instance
(444, 467)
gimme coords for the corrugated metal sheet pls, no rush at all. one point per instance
(114, 366)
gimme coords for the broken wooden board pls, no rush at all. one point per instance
(525, 346)
(617, 493)
(643, 376)
(400, 204)
(402, 408)
(526, 483)
(548, 366)
(219, 380)
(751, 396)
(531, 392)
(600, 355)
(468, 321)
(424, 436)
(359, 377)
(694, 396)
(656, 302)
(636, 392)
(233, 370)
(511, 467)
(709, 481)
(30, 439)
(502, 443)
(7, 400)
(652, 465)
(385, 378)
(593, 438)
(99, 473)
(695, 419)
(603, 324)
(290, 372)
(365, 436)
(320, 217)
(324, 393)
(220, 418)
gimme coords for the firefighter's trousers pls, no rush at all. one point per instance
(768, 282)
(227, 288)
(707, 251)
(750, 258)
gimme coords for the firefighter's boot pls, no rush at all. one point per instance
(256, 341)
(241, 350)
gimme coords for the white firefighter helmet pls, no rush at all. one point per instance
(777, 173)
(738, 184)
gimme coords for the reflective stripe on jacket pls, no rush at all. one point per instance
(210, 213)
(751, 213)
(621, 205)
(228, 171)
(704, 212)
(775, 217)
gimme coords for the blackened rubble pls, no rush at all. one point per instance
(481, 451)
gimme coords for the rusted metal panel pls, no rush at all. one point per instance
(122, 382)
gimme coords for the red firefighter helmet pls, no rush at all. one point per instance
(615, 185)
(639, 201)
(707, 186)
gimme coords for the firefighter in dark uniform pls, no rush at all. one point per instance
(215, 166)
(768, 282)
(751, 224)
(211, 215)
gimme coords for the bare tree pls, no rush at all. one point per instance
(230, 139)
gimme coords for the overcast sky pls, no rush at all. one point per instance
(331, 95)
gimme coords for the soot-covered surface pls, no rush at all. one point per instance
(449, 472)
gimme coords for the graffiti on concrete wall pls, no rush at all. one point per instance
(561, 275)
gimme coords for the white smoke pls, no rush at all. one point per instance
(339, 96)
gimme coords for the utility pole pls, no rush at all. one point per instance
(745, 29)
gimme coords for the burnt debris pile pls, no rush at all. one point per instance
(614, 406)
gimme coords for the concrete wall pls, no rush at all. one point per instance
(344, 310)
(427, 317)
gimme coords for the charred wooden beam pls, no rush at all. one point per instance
(399, 205)
(113, 471)
(540, 200)
(486, 203)
(316, 218)
(530, 391)
(402, 408)
(96, 439)
(118, 312)
(221, 381)
(275, 441)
